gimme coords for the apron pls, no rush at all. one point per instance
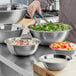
(68, 16)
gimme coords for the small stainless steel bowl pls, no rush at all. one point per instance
(6, 32)
(55, 66)
(23, 50)
(49, 37)
(65, 52)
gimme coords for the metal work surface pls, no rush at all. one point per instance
(22, 65)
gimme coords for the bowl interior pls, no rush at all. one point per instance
(54, 56)
(72, 44)
(22, 41)
(49, 28)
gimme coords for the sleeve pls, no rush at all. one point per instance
(46, 3)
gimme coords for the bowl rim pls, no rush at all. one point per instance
(66, 59)
(22, 27)
(50, 31)
(63, 49)
(6, 4)
(38, 41)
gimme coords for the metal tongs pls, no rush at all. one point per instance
(40, 16)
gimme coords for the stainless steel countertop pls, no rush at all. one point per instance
(25, 63)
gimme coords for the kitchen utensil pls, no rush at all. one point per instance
(6, 32)
(11, 16)
(40, 16)
(55, 65)
(65, 52)
(22, 50)
(49, 37)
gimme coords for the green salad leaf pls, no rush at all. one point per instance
(51, 27)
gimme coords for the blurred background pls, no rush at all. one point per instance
(51, 11)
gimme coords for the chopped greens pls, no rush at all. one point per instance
(51, 27)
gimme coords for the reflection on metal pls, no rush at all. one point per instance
(12, 65)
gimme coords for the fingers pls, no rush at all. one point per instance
(31, 10)
(35, 5)
(38, 7)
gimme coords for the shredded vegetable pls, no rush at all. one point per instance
(22, 42)
(63, 45)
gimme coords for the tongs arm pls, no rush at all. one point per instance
(40, 16)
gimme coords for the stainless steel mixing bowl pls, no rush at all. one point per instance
(65, 52)
(22, 50)
(54, 65)
(49, 37)
(15, 31)
(13, 14)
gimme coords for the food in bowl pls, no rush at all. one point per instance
(67, 48)
(22, 42)
(63, 45)
(22, 46)
(51, 27)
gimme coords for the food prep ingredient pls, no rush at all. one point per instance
(55, 60)
(63, 46)
(51, 27)
(23, 42)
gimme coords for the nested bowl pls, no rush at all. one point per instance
(51, 63)
(47, 37)
(11, 14)
(22, 50)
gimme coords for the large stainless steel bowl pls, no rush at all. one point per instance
(49, 37)
(22, 50)
(11, 14)
(6, 32)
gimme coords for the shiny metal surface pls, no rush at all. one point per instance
(22, 50)
(13, 15)
(49, 37)
(6, 71)
(65, 52)
(15, 31)
(55, 66)
(5, 26)
(24, 62)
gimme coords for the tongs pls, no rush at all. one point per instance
(40, 16)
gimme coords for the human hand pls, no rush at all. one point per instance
(34, 6)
